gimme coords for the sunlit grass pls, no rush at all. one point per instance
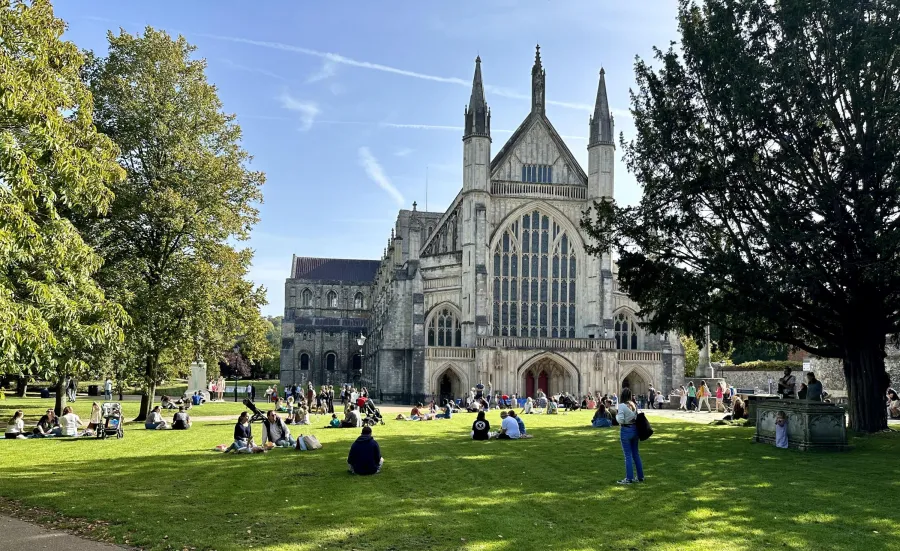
(707, 488)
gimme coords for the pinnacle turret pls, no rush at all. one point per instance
(478, 115)
(537, 83)
(601, 122)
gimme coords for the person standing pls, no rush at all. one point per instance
(249, 391)
(220, 389)
(787, 385)
(720, 396)
(814, 389)
(107, 389)
(682, 399)
(626, 415)
(703, 395)
(652, 397)
(691, 397)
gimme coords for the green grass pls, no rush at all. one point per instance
(708, 488)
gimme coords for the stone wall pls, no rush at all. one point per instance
(828, 370)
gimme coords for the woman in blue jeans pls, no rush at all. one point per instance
(626, 415)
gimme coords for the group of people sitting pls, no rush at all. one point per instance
(418, 412)
(275, 434)
(180, 421)
(51, 425)
(511, 427)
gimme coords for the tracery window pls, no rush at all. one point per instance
(534, 274)
(444, 330)
(358, 301)
(331, 299)
(540, 174)
(626, 330)
(306, 298)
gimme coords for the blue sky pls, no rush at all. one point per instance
(345, 105)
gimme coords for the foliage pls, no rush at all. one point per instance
(272, 364)
(761, 350)
(768, 365)
(188, 198)
(54, 165)
(235, 365)
(768, 148)
(431, 469)
(692, 355)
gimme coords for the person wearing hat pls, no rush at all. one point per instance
(365, 454)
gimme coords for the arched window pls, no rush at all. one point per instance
(304, 361)
(330, 361)
(443, 330)
(626, 332)
(534, 275)
(306, 298)
(331, 299)
(359, 302)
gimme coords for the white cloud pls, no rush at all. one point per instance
(257, 70)
(403, 152)
(308, 110)
(376, 173)
(328, 70)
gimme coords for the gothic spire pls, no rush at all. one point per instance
(537, 82)
(478, 115)
(602, 124)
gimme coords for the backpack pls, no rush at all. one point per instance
(312, 443)
(643, 427)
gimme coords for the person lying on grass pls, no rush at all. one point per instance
(276, 431)
(48, 425)
(365, 455)
(155, 420)
(181, 420)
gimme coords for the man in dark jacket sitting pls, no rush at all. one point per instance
(365, 455)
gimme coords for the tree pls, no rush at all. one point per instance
(272, 363)
(235, 365)
(54, 318)
(718, 354)
(769, 155)
(169, 238)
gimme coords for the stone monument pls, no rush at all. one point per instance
(197, 380)
(810, 425)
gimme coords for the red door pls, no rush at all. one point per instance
(542, 383)
(529, 384)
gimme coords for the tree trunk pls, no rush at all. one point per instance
(146, 403)
(21, 386)
(866, 385)
(60, 396)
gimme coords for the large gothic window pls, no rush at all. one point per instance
(626, 332)
(306, 298)
(443, 330)
(331, 299)
(304, 361)
(330, 361)
(358, 301)
(534, 271)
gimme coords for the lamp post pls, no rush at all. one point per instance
(361, 341)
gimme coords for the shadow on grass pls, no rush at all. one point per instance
(707, 488)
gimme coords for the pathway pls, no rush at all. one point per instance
(18, 535)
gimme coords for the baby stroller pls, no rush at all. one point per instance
(257, 414)
(373, 415)
(110, 421)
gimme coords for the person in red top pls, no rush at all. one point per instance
(505, 398)
(361, 401)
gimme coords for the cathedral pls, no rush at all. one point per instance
(497, 290)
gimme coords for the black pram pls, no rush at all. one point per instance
(373, 414)
(110, 421)
(257, 414)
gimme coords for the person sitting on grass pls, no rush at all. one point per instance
(16, 427)
(738, 409)
(552, 406)
(893, 404)
(602, 417)
(96, 420)
(529, 405)
(518, 418)
(155, 420)
(418, 415)
(276, 432)
(481, 428)
(352, 419)
(70, 422)
(509, 428)
(243, 433)
(167, 403)
(301, 416)
(282, 405)
(48, 425)
(447, 411)
(334, 422)
(181, 420)
(365, 454)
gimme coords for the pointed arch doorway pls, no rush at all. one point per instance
(448, 384)
(636, 381)
(549, 373)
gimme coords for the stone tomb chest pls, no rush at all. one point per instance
(811, 425)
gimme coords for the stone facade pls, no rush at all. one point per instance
(498, 288)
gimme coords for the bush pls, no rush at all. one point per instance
(765, 365)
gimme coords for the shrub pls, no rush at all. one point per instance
(765, 365)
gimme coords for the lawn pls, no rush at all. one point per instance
(707, 488)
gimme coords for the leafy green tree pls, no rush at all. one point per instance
(271, 365)
(188, 198)
(54, 318)
(719, 354)
(768, 148)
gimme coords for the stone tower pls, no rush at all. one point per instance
(475, 201)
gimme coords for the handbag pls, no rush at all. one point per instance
(643, 427)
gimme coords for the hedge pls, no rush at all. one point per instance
(764, 365)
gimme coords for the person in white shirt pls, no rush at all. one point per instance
(528, 406)
(155, 421)
(16, 427)
(69, 422)
(107, 389)
(626, 415)
(509, 427)
(660, 400)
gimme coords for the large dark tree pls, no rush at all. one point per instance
(768, 146)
